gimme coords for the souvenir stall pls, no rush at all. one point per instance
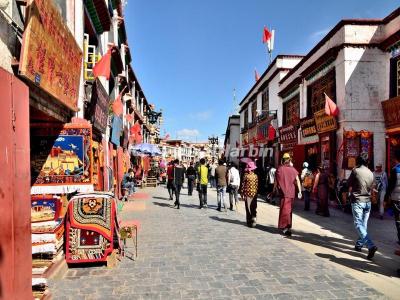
(355, 143)
(61, 163)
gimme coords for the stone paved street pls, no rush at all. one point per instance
(205, 254)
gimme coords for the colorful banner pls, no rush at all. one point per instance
(50, 56)
(116, 130)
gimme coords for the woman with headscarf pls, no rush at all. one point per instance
(321, 190)
(249, 192)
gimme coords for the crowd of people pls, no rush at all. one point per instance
(284, 184)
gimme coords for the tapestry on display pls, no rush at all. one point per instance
(61, 158)
(90, 228)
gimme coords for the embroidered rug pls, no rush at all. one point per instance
(90, 228)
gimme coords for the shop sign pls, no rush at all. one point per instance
(98, 111)
(323, 122)
(50, 56)
(391, 114)
(288, 135)
(308, 127)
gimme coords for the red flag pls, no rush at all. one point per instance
(117, 106)
(266, 35)
(129, 118)
(254, 140)
(256, 75)
(103, 66)
(331, 108)
(138, 138)
(271, 133)
(135, 128)
(260, 136)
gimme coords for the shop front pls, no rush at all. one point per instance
(391, 108)
(309, 141)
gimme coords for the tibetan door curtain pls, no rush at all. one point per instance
(90, 228)
(120, 171)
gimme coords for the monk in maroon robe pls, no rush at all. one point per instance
(285, 183)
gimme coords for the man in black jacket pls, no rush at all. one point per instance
(191, 176)
(179, 177)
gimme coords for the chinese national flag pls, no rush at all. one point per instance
(331, 108)
(117, 106)
(266, 35)
(257, 76)
(103, 66)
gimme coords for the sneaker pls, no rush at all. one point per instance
(205, 206)
(358, 249)
(371, 252)
(200, 207)
(287, 232)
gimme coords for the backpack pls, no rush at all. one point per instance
(308, 181)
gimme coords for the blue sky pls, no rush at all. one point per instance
(189, 55)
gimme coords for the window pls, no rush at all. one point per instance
(395, 77)
(315, 93)
(265, 100)
(291, 111)
(246, 118)
(254, 111)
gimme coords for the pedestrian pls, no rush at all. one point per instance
(249, 192)
(380, 185)
(286, 180)
(321, 190)
(360, 183)
(233, 185)
(202, 182)
(179, 178)
(212, 169)
(170, 180)
(261, 175)
(307, 183)
(270, 183)
(394, 191)
(220, 177)
(191, 177)
(128, 183)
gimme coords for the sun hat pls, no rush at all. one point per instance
(250, 166)
(286, 156)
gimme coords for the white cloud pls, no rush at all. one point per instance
(188, 133)
(202, 115)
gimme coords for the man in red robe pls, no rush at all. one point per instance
(286, 180)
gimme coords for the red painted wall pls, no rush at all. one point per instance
(15, 212)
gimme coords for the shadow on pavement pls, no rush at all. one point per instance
(160, 198)
(269, 229)
(359, 265)
(163, 204)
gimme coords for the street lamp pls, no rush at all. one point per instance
(153, 116)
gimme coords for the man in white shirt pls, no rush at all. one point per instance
(233, 184)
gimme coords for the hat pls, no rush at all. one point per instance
(286, 156)
(305, 164)
(250, 166)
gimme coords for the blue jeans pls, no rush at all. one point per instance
(221, 197)
(129, 187)
(361, 211)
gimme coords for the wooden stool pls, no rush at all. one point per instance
(129, 229)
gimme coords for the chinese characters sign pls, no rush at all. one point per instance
(50, 56)
(324, 122)
(288, 136)
(308, 127)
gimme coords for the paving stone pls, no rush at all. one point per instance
(204, 254)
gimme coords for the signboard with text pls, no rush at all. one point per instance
(288, 136)
(50, 56)
(391, 114)
(323, 122)
(308, 127)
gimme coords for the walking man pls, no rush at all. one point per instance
(220, 177)
(286, 180)
(233, 185)
(170, 180)
(179, 177)
(202, 173)
(191, 177)
(360, 182)
(307, 181)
